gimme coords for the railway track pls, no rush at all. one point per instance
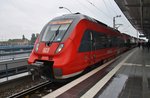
(21, 86)
(30, 90)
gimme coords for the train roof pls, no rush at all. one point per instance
(80, 16)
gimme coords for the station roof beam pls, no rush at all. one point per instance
(138, 14)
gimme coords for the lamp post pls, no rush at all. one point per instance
(61, 7)
(114, 25)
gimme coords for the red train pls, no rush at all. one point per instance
(69, 44)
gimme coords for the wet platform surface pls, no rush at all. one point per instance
(131, 79)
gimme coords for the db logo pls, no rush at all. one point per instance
(46, 50)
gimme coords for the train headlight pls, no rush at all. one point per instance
(59, 48)
(37, 47)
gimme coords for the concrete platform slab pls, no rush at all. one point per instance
(127, 77)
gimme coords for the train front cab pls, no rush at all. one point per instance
(48, 46)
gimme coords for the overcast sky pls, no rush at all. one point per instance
(24, 17)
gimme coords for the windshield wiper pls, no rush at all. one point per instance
(52, 38)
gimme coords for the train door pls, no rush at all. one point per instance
(93, 48)
(87, 47)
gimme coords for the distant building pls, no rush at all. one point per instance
(19, 42)
(4, 43)
(15, 42)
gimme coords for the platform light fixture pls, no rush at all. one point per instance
(61, 7)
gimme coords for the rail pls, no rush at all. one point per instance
(29, 90)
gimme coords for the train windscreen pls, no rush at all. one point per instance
(55, 31)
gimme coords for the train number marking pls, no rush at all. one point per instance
(46, 50)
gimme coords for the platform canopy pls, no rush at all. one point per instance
(138, 13)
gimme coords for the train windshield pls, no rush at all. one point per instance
(55, 31)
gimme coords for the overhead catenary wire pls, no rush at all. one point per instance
(113, 9)
(82, 6)
(124, 20)
(85, 6)
(111, 6)
(107, 7)
(91, 10)
(98, 9)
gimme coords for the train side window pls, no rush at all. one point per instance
(121, 43)
(109, 41)
(100, 40)
(85, 44)
(114, 41)
(103, 41)
(118, 42)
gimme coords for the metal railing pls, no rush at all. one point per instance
(12, 52)
(9, 68)
(15, 48)
(14, 55)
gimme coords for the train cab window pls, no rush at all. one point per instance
(55, 30)
(61, 33)
(50, 32)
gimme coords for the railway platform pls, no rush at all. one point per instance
(127, 76)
